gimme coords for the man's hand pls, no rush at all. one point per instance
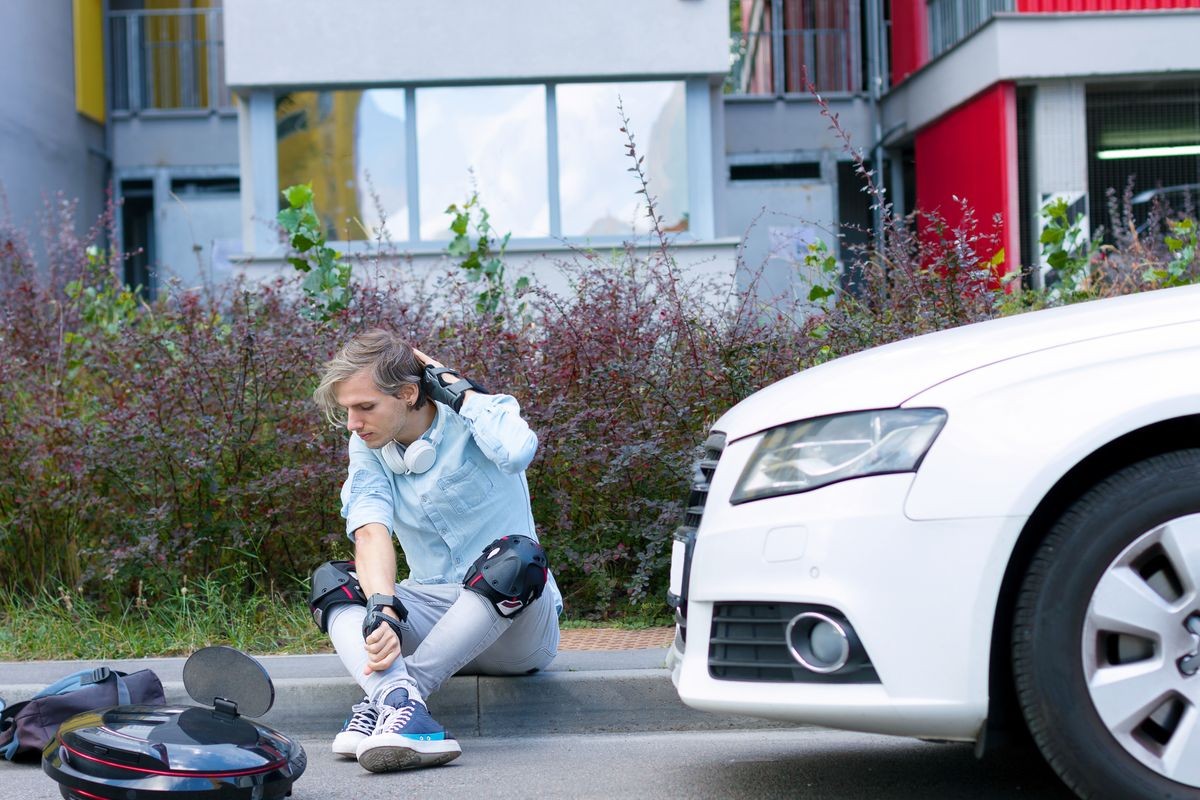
(425, 360)
(438, 387)
(382, 646)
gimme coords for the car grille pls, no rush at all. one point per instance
(702, 475)
(748, 643)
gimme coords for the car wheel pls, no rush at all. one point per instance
(1106, 635)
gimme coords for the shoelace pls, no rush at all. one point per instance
(362, 718)
(396, 719)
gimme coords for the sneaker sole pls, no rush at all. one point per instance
(347, 746)
(389, 758)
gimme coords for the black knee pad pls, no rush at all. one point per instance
(333, 583)
(511, 574)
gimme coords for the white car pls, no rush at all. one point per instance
(954, 535)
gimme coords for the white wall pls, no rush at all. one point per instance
(778, 220)
(45, 145)
(163, 140)
(713, 263)
(198, 234)
(322, 42)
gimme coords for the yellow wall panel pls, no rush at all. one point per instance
(89, 58)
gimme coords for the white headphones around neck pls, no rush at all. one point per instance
(418, 457)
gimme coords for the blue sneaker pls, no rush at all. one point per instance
(406, 737)
(357, 727)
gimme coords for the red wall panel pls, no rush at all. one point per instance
(1036, 6)
(971, 153)
(910, 38)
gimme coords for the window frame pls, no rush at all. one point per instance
(698, 123)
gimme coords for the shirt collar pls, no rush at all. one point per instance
(437, 428)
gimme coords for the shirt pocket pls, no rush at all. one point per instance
(467, 488)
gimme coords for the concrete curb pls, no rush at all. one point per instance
(582, 692)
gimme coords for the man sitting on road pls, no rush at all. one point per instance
(440, 464)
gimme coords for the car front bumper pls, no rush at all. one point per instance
(920, 595)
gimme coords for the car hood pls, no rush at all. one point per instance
(884, 377)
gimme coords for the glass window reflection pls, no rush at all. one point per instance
(598, 195)
(493, 137)
(351, 146)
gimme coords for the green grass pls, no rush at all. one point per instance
(59, 624)
(637, 624)
(63, 625)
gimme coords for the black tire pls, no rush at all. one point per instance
(1120, 517)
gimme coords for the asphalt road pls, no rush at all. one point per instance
(808, 763)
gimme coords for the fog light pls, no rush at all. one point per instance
(818, 642)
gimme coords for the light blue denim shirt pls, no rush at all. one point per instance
(474, 493)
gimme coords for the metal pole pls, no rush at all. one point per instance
(856, 78)
(133, 55)
(109, 65)
(213, 37)
(552, 188)
(777, 47)
(411, 164)
(187, 81)
(874, 91)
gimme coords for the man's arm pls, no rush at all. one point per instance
(496, 425)
(375, 563)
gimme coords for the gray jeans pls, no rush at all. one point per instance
(449, 630)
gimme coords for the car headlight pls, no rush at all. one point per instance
(816, 452)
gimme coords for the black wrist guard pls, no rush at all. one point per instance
(447, 386)
(376, 616)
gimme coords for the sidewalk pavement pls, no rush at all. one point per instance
(604, 680)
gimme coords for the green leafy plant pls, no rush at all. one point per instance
(482, 260)
(103, 304)
(327, 278)
(823, 266)
(1065, 248)
(1181, 243)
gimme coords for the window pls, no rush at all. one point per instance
(166, 56)
(781, 45)
(388, 162)
(1143, 138)
(494, 136)
(951, 21)
(598, 195)
(351, 146)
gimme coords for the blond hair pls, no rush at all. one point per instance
(390, 359)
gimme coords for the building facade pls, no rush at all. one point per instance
(1006, 104)
(199, 111)
(1013, 103)
(397, 111)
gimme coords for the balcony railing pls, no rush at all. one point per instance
(773, 63)
(951, 21)
(167, 60)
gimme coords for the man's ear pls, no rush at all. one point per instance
(408, 394)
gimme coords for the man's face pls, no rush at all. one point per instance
(376, 417)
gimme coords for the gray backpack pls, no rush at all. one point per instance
(28, 726)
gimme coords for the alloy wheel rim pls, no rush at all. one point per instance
(1141, 649)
